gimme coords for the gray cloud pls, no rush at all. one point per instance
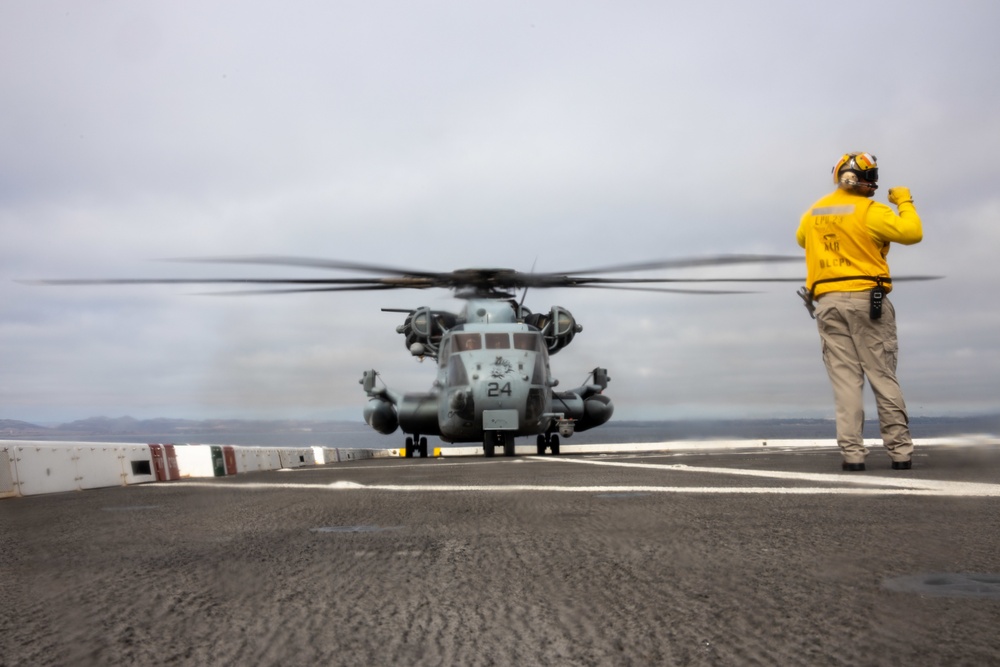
(446, 135)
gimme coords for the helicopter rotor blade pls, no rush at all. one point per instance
(479, 282)
(512, 278)
(669, 290)
(623, 283)
(318, 284)
(207, 281)
(716, 260)
(596, 282)
(309, 263)
(302, 290)
(897, 279)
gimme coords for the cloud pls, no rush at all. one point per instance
(448, 135)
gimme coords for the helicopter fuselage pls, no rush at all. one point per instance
(491, 377)
(493, 383)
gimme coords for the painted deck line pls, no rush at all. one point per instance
(855, 478)
(887, 486)
(957, 491)
(762, 445)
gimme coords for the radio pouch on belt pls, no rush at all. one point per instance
(875, 305)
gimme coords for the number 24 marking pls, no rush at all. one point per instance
(496, 390)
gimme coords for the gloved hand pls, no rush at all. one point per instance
(899, 196)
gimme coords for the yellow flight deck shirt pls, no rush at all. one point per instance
(847, 235)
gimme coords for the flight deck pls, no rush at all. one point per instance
(752, 555)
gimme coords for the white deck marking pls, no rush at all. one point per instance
(958, 489)
(830, 478)
(938, 487)
(854, 484)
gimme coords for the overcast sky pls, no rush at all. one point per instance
(444, 135)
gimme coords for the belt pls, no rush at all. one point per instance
(864, 294)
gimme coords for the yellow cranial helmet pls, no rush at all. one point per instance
(862, 166)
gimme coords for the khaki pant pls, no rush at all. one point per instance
(855, 347)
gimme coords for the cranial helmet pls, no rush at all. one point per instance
(857, 173)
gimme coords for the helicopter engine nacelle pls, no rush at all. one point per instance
(418, 413)
(423, 329)
(381, 415)
(597, 410)
(586, 413)
(558, 326)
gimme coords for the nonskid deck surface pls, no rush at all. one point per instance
(754, 555)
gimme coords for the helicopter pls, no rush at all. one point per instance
(493, 382)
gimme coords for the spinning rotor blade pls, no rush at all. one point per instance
(669, 290)
(303, 290)
(321, 285)
(308, 262)
(631, 285)
(717, 260)
(573, 279)
(209, 281)
(597, 282)
(480, 282)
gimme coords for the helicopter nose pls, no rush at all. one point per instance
(459, 400)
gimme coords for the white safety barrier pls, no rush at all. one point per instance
(37, 467)
(255, 459)
(339, 454)
(195, 461)
(7, 488)
(42, 467)
(297, 457)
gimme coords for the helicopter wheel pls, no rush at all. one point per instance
(423, 448)
(541, 444)
(554, 443)
(508, 444)
(409, 448)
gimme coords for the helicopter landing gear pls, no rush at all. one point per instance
(416, 444)
(547, 441)
(494, 439)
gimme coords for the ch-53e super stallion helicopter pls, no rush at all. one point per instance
(493, 381)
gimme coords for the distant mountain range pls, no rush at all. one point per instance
(97, 426)
(351, 433)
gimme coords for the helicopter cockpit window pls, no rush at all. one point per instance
(527, 341)
(467, 341)
(497, 341)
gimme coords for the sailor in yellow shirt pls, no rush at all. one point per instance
(846, 236)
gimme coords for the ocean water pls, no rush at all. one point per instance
(349, 434)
